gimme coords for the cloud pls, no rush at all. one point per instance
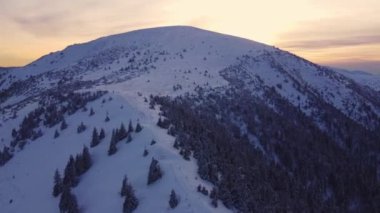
(330, 43)
(42, 18)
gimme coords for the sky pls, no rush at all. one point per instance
(341, 33)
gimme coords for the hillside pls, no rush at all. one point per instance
(264, 129)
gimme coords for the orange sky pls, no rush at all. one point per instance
(344, 33)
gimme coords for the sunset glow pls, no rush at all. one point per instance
(335, 32)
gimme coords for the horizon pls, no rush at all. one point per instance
(320, 31)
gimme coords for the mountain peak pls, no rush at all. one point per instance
(207, 114)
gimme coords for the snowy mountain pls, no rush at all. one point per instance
(364, 78)
(259, 128)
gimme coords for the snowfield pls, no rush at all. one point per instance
(26, 182)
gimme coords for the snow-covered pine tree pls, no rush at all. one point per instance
(130, 202)
(63, 124)
(58, 185)
(5, 155)
(102, 134)
(122, 132)
(138, 127)
(145, 152)
(14, 133)
(92, 112)
(123, 190)
(86, 158)
(153, 142)
(112, 148)
(130, 127)
(56, 134)
(79, 167)
(70, 175)
(173, 201)
(95, 138)
(68, 202)
(81, 127)
(154, 172)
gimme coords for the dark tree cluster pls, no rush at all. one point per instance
(202, 190)
(118, 135)
(68, 202)
(97, 137)
(214, 197)
(73, 170)
(51, 110)
(248, 178)
(5, 155)
(155, 172)
(130, 201)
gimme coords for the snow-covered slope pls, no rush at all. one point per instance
(364, 78)
(26, 181)
(167, 61)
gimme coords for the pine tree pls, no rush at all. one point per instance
(122, 132)
(123, 190)
(95, 138)
(153, 142)
(70, 178)
(154, 172)
(14, 133)
(86, 158)
(145, 152)
(63, 124)
(173, 201)
(199, 188)
(138, 127)
(112, 148)
(102, 134)
(107, 119)
(5, 155)
(56, 134)
(176, 144)
(130, 202)
(68, 202)
(159, 122)
(79, 166)
(58, 185)
(92, 112)
(130, 127)
(81, 128)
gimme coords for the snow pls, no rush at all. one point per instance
(166, 61)
(28, 178)
(364, 78)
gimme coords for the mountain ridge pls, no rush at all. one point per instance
(218, 108)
